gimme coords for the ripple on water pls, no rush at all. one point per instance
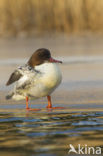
(49, 133)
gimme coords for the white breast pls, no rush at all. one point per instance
(51, 73)
(50, 78)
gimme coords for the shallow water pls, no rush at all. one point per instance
(47, 133)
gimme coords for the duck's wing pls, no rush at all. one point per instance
(15, 76)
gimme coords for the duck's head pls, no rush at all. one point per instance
(41, 56)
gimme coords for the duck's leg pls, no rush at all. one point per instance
(50, 104)
(27, 107)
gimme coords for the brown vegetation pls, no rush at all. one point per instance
(40, 16)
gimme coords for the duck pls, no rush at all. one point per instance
(39, 77)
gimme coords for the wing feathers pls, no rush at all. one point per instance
(16, 75)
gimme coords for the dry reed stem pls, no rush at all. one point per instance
(40, 16)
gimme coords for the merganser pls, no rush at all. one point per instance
(39, 77)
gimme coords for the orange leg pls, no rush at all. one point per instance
(50, 104)
(27, 107)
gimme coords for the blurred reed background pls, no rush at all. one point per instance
(30, 17)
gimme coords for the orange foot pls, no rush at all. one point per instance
(55, 107)
(50, 104)
(32, 109)
(27, 107)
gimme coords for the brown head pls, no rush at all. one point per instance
(41, 56)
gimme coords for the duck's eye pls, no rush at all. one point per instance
(45, 55)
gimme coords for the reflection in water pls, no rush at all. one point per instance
(48, 133)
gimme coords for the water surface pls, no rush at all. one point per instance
(47, 133)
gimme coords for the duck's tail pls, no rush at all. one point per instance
(15, 96)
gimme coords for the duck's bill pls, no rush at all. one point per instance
(55, 61)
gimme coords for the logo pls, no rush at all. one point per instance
(84, 150)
